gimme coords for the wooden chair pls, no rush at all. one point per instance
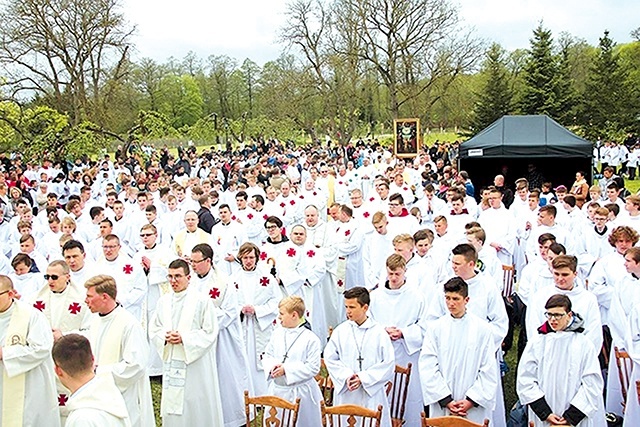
(508, 273)
(397, 394)
(276, 412)
(624, 364)
(450, 421)
(350, 416)
(326, 385)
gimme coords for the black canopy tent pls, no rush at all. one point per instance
(512, 143)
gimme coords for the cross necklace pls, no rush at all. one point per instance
(359, 347)
(286, 353)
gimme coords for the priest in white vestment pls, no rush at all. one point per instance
(292, 360)
(120, 347)
(62, 303)
(231, 357)
(360, 357)
(401, 309)
(457, 363)
(95, 399)
(184, 331)
(27, 381)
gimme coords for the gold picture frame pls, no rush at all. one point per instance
(406, 141)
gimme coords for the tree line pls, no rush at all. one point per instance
(69, 85)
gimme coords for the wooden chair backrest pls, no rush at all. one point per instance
(397, 394)
(625, 365)
(324, 382)
(450, 421)
(508, 272)
(350, 416)
(276, 412)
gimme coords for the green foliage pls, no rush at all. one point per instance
(46, 133)
(539, 77)
(9, 122)
(605, 110)
(495, 99)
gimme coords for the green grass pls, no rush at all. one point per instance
(632, 186)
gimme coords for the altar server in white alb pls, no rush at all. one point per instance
(184, 330)
(360, 358)
(95, 399)
(457, 363)
(400, 308)
(292, 360)
(120, 347)
(27, 381)
(258, 297)
(559, 376)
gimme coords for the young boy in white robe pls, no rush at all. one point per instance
(360, 358)
(559, 374)
(292, 360)
(401, 309)
(95, 399)
(457, 362)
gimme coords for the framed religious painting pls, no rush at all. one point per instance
(406, 137)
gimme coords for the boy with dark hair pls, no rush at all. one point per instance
(559, 375)
(457, 363)
(360, 357)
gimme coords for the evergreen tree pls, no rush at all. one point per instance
(605, 107)
(494, 101)
(539, 91)
(565, 94)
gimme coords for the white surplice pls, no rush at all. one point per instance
(258, 289)
(231, 357)
(563, 368)
(127, 363)
(298, 350)
(371, 344)
(458, 361)
(98, 403)
(404, 308)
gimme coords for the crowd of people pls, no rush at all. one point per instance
(225, 272)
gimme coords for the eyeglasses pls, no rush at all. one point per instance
(146, 235)
(198, 261)
(5, 292)
(271, 227)
(556, 316)
(171, 277)
(51, 276)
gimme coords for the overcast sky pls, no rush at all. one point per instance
(249, 28)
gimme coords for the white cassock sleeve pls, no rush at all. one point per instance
(229, 310)
(19, 359)
(266, 313)
(198, 341)
(598, 283)
(297, 371)
(135, 352)
(137, 289)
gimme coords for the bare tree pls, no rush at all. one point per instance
(417, 47)
(65, 51)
